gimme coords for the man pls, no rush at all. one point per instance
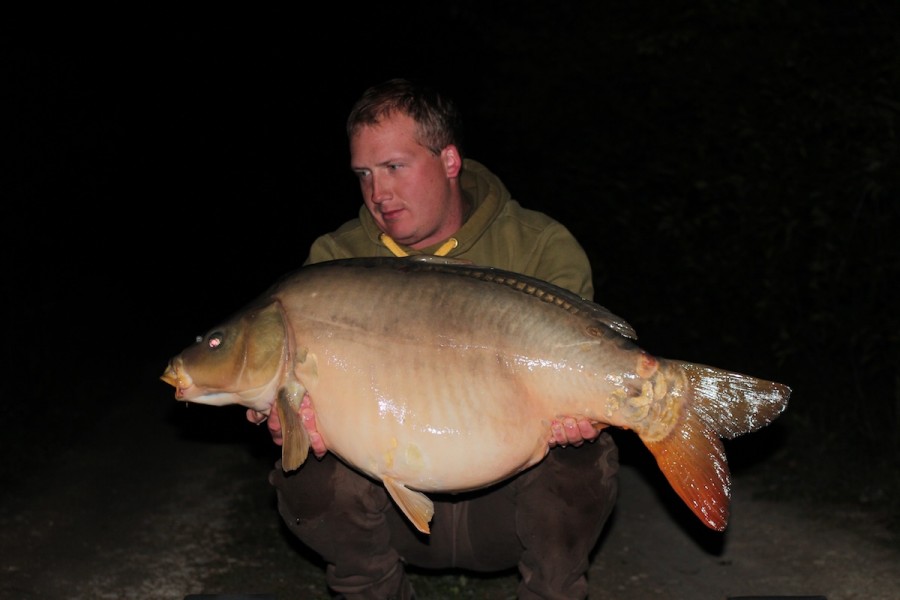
(421, 196)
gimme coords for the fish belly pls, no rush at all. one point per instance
(433, 429)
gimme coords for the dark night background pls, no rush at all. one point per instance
(730, 167)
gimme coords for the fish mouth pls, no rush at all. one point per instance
(175, 376)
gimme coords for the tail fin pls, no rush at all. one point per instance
(714, 404)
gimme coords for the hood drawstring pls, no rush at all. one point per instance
(398, 251)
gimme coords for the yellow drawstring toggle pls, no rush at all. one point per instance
(391, 245)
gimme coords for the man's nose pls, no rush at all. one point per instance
(379, 190)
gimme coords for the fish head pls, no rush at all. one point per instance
(241, 361)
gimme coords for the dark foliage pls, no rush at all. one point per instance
(733, 170)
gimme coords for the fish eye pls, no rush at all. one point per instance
(215, 340)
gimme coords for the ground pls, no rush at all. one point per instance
(166, 500)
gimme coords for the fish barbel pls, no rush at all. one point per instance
(433, 375)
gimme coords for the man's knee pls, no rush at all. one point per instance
(561, 511)
(562, 508)
(327, 486)
(583, 474)
(334, 510)
(599, 455)
(306, 492)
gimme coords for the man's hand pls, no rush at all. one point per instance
(569, 431)
(272, 422)
(307, 417)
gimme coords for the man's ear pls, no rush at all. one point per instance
(452, 160)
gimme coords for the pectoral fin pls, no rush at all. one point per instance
(306, 369)
(417, 507)
(295, 439)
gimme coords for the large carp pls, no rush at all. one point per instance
(431, 375)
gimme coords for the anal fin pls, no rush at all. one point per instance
(417, 507)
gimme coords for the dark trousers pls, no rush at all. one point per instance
(545, 521)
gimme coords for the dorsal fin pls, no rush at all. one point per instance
(546, 291)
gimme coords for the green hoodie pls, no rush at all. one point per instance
(499, 233)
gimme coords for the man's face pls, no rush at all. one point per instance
(405, 186)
